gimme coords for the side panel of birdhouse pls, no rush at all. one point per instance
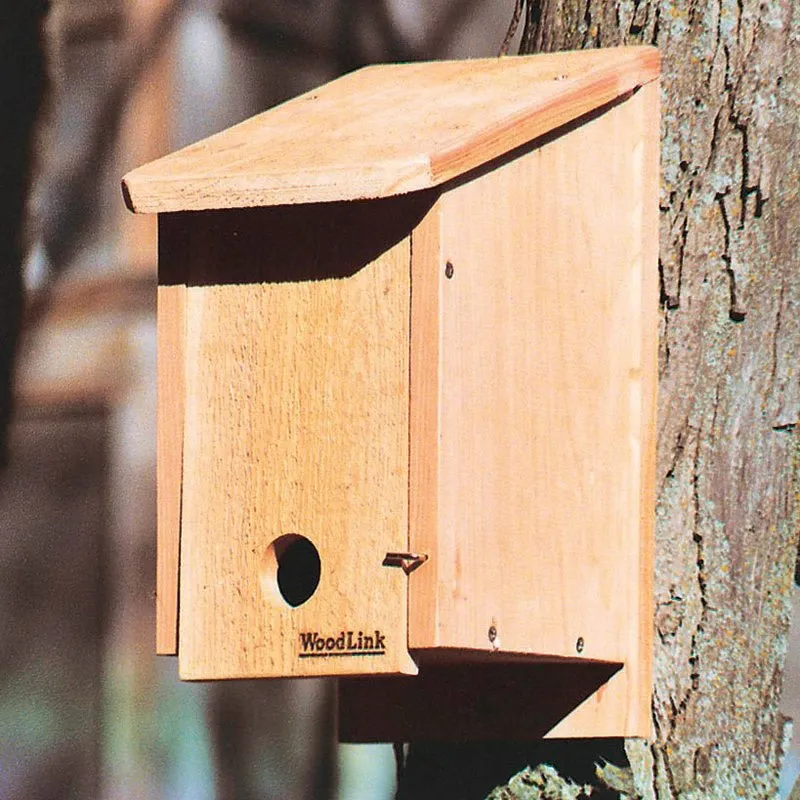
(173, 267)
(544, 440)
(295, 446)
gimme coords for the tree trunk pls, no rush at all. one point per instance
(727, 475)
(21, 90)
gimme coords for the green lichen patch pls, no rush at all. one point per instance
(540, 783)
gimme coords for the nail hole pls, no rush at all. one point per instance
(449, 269)
(290, 570)
(579, 645)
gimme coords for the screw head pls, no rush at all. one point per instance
(449, 269)
(492, 634)
(579, 645)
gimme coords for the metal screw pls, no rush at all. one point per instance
(492, 634)
(449, 269)
(579, 644)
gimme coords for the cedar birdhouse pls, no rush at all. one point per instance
(407, 371)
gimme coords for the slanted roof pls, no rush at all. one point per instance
(388, 129)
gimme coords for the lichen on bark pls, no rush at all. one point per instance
(540, 783)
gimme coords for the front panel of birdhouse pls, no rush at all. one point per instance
(294, 462)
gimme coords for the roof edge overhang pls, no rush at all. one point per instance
(423, 124)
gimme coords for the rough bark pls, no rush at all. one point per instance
(729, 389)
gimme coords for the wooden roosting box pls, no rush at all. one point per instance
(407, 375)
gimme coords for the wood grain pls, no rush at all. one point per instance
(546, 412)
(388, 129)
(174, 252)
(170, 406)
(625, 702)
(427, 266)
(642, 645)
(466, 372)
(296, 422)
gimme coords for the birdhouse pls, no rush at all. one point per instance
(406, 392)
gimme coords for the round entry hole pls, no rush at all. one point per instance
(291, 569)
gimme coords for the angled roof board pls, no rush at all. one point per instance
(388, 129)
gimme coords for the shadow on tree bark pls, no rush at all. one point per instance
(468, 771)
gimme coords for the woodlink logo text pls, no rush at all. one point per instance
(313, 644)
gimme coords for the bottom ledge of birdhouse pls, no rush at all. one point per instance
(483, 700)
